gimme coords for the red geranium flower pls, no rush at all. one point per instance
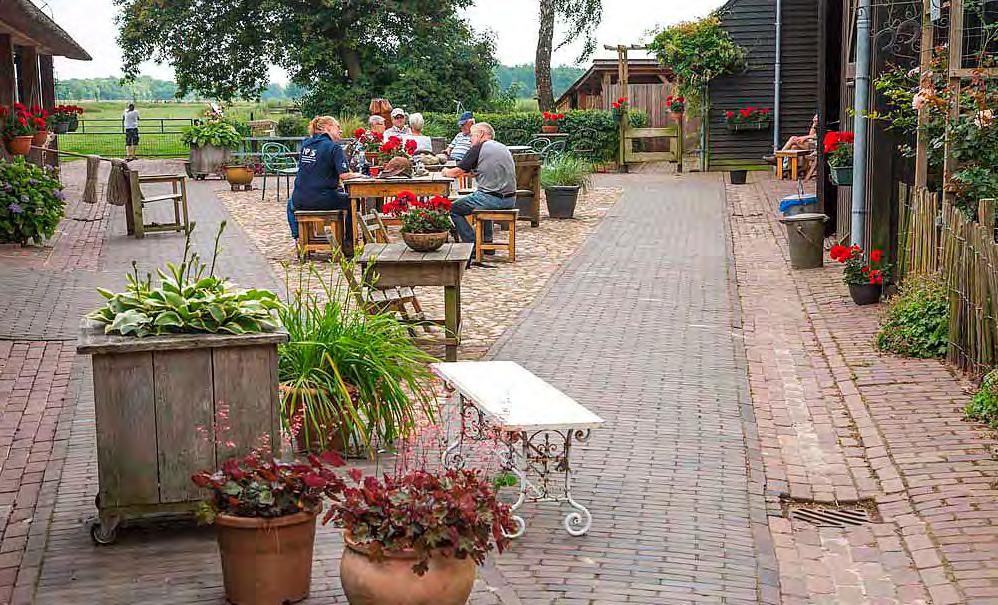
(746, 112)
(410, 146)
(358, 133)
(837, 252)
(876, 255)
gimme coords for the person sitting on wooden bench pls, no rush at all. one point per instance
(495, 178)
(321, 165)
(806, 142)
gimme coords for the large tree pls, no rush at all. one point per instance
(415, 52)
(581, 19)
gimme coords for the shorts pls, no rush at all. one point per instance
(131, 136)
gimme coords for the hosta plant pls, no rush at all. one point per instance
(454, 511)
(217, 133)
(189, 299)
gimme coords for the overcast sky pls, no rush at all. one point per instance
(91, 23)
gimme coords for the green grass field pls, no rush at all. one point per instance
(100, 132)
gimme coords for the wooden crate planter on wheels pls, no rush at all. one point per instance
(156, 403)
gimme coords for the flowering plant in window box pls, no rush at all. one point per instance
(749, 118)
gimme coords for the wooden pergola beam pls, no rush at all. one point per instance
(7, 80)
(29, 84)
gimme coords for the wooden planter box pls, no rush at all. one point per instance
(156, 401)
(756, 126)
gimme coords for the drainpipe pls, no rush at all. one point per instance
(777, 74)
(861, 110)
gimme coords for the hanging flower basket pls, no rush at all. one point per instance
(748, 118)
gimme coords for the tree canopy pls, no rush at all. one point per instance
(561, 78)
(418, 53)
(582, 18)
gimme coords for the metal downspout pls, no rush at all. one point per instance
(861, 108)
(777, 75)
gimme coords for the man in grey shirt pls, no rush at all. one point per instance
(495, 178)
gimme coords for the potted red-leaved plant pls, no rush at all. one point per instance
(425, 224)
(865, 277)
(414, 538)
(264, 511)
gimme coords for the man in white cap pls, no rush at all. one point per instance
(398, 127)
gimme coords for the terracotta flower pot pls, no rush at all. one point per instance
(865, 294)
(391, 581)
(549, 128)
(266, 561)
(425, 242)
(39, 139)
(239, 175)
(19, 145)
(676, 115)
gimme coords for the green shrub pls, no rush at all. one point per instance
(31, 202)
(984, 405)
(590, 132)
(916, 323)
(292, 126)
(566, 171)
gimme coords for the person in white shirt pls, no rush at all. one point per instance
(398, 127)
(130, 118)
(423, 142)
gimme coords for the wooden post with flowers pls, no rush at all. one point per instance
(624, 118)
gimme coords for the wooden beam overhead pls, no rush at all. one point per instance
(7, 80)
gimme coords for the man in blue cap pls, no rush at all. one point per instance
(461, 143)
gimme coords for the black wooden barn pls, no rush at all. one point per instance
(752, 24)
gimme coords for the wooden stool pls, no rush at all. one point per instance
(311, 229)
(502, 217)
(794, 156)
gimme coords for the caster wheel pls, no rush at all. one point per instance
(103, 536)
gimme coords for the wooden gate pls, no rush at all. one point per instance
(675, 153)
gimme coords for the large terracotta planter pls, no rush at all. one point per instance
(266, 561)
(549, 128)
(39, 139)
(239, 175)
(19, 145)
(865, 294)
(425, 242)
(391, 581)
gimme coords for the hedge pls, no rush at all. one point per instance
(586, 129)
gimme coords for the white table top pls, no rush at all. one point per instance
(513, 398)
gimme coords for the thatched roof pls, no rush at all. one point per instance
(29, 26)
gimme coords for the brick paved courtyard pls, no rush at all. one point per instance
(729, 385)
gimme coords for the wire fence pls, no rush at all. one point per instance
(936, 236)
(158, 137)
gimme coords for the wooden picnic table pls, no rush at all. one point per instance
(396, 265)
(534, 423)
(359, 189)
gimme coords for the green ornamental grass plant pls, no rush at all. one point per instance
(346, 371)
(566, 170)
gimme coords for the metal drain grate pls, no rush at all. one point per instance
(831, 517)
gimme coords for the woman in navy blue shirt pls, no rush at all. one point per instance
(321, 166)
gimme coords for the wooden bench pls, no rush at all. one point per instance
(793, 157)
(507, 218)
(311, 229)
(536, 425)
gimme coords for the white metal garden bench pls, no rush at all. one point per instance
(534, 423)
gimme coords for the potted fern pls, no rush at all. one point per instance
(562, 178)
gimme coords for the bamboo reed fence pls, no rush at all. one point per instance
(936, 237)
